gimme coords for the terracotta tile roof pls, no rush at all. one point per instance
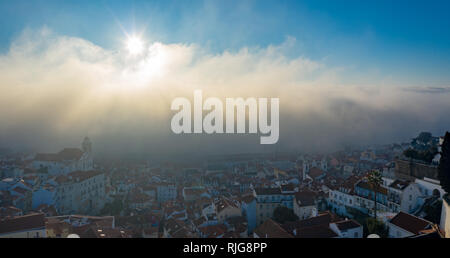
(70, 154)
(20, 190)
(347, 224)
(31, 221)
(325, 216)
(9, 211)
(181, 233)
(247, 198)
(199, 221)
(47, 157)
(223, 204)
(305, 198)
(319, 231)
(77, 176)
(288, 188)
(410, 223)
(322, 219)
(65, 154)
(267, 191)
(176, 228)
(231, 234)
(271, 229)
(315, 172)
(213, 231)
(350, 182)
(83, 175)
(399, 184)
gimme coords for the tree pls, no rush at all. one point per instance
(425, 137)
(283, 214)
(411, 153)
(113, 208)
(433, 212)
(444, 164)
(426, 155)
(374, 226)
(375, 181)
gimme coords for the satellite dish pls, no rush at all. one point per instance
(73, 236)
(373, 236)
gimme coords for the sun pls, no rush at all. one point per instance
(135, 45)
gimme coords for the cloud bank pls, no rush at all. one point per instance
(57, 89)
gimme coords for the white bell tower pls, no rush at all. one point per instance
(86, 146)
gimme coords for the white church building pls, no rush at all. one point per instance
(66, 161)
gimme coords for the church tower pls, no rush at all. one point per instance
(86, 146)
(87, 162)
(305, 168)
(324, 164)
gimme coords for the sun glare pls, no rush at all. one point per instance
(135, 45)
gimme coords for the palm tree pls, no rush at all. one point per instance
(375, 180)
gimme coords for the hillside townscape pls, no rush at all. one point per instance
(276, 195)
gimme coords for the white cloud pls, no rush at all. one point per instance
(56, 89)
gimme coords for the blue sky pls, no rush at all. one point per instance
(406, 40)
